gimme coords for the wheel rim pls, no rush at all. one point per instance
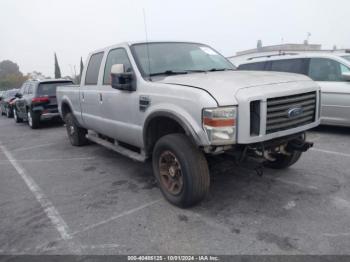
(170, 173)
(71, 129)
(30, 120)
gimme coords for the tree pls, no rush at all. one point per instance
(10, 76)
(57, 68)
(8, 67)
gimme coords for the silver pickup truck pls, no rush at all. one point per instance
(178, 103)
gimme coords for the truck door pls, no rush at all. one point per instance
(89, 95)
(118, 107)
(335, 100)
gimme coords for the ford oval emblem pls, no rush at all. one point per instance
(295, 112)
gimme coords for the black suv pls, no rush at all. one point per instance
(36, 101)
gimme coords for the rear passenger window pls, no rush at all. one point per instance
(297, 66)
(253, 66)
(116, 56)
(93, 69)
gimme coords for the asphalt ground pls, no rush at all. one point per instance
(59, 199)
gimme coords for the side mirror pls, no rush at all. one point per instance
(18, 95)
(120, 79)
(346, 76)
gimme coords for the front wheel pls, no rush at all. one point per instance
(284, 161)
(181, 170)
(16, 117)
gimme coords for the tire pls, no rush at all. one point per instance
(33, 119)
(76, 134)
(284, 161)
(16, 117)
(188, 169)
(8, 112)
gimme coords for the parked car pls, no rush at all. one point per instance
(181, 102)
(6, 102)
(36, 101)
(331, 70)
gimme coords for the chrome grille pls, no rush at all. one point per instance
(280, 111)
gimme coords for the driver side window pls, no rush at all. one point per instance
(324, 69)
(116, 56)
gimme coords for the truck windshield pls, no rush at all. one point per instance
(178, 58)
(49, 89)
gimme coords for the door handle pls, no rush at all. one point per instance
(101, 99)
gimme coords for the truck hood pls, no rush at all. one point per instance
(223, 85)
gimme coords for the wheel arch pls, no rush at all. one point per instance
(162, 119)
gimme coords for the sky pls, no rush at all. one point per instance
(32, 30)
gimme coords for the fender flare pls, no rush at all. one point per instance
(190, 132)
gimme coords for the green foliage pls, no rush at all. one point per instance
(10, 76)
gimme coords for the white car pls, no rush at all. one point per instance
(331, 70)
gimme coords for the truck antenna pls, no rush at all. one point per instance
(147, 46)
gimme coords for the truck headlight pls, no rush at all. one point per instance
(220, 125)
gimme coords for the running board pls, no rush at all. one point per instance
(117, 148)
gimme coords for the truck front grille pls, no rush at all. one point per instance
(290, 111)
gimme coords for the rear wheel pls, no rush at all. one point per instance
(16, 117)
(181, 170)
(8, 112)
(33, 119)
(76, 134)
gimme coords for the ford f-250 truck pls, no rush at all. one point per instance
(178, 102)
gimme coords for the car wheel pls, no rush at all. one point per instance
(181, 170)
(8, 113)
(16, 117)
(33, 119)
(76, 134)
(284, 161)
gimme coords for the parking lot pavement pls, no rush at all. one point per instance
(59, 199)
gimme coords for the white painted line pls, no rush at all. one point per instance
(123, 214)
(47, 160)
(336, 234)
(32, 147)
(45, 203)
(330, 152)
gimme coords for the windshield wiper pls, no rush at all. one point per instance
(205, 71)
(219, 69)
(169, 73)
(196, 71)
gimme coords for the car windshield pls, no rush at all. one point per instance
(49, 89)
(347, 57)
(178, 58)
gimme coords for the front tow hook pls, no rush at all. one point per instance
(299, 145)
